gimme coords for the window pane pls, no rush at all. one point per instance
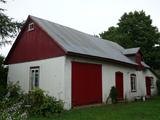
(34, 77)
(133, 82)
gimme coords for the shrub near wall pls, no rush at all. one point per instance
(16, 105)
(113, 94)
(12, 104)
(41, 103)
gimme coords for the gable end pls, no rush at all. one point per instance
(33, 45)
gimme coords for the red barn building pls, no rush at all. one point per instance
(76, 67)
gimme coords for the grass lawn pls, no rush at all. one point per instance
(148, 110)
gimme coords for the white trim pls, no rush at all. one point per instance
(31, 26)
(32, 83)
(133, 80)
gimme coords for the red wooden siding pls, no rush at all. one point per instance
(119, 84)
(86, 83)
(138, 59)
(33, 45)
(148, 86)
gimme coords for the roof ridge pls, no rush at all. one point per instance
(75, 41)
(105, 40)
(61, 25)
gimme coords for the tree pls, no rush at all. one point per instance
(3, 70)
(135, 29)
(8, 27)
(3, 77)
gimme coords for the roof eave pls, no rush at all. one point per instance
(100, 58)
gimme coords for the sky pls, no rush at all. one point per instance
(89, 16)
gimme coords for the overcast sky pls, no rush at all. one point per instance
(90, 16)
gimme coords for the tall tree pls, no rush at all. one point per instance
(8, 27)
(135, 29)
(3, 77)
(3, 71)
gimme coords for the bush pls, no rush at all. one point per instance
(18, 106)
(113, 94)
(14, 111)
(14, 90)
(12, 104)
(158, 86)
(41, 103)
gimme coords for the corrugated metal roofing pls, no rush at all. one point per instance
(145, 65)
(131, 51)
(78, 42)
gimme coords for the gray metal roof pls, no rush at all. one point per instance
(145, 65)
(131, 51)
(78, 42)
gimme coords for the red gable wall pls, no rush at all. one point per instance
(33, 45)
(138, 59)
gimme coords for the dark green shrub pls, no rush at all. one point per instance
(113, 94)
(14, 90)
(51, 105)
(42, 104)
(16, 104)
(3, 91)
(158, 86)
(12, 104)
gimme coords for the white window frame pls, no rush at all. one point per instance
(133, 81)
(34, 77)
(31, 26)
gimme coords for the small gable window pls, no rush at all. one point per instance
(34, 77)
(133, 83)
(31, 26)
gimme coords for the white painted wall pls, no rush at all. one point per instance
(108, 79)
(51, 75)
(150, 74)
(55, 77)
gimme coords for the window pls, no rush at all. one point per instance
(133, 83)
(34, 77)
(31, 26)
(152, 82)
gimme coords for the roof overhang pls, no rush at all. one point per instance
(73, 54)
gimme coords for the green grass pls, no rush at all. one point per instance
(148, 110)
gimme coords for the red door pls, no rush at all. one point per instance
(86, 83)
(119, 85)
(148, 86)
